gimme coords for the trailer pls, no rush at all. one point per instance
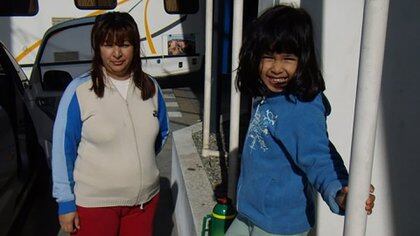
(172, 31)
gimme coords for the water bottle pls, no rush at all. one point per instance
(216, 223)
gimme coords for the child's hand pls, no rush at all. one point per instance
(342, 197)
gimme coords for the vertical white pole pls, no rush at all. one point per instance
(235, 99)
(207, 76)
(367, 97)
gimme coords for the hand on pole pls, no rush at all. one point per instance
(342, 197)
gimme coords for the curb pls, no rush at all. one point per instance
(192, 193)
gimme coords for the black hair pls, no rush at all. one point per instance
(280, 29)
(116, 27)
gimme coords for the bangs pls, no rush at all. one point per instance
(280, 34)
(117, 35)
(285, 43)
(280, 41)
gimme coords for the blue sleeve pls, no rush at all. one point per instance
(163, 122)
(317, 156)
(66, 138)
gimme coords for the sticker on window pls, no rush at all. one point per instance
(181, 44)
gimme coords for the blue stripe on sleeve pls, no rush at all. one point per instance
(163, 122)
(72, 136)
(66, 138)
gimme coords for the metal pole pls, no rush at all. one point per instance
(207, 77)
(235, 99)
(367, 99)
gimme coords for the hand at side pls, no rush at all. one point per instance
(69, 222)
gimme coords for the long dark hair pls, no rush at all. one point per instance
(281, 29)
(118, 26)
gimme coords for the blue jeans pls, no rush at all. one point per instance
(243, 227)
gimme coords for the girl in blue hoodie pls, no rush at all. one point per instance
(287, 154)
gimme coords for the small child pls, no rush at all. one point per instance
(287, 152)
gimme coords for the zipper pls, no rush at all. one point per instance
(138, 153)
(240, 185)
(135, 137)
(237, 198)
(259, 104)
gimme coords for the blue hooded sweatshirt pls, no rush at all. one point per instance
(286, 155)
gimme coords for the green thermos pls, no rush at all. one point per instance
(219, 220)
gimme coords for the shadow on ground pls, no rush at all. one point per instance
(164, 224)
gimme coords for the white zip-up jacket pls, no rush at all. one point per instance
(104, 149)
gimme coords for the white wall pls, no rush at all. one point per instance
(397, 155)
(396, 162)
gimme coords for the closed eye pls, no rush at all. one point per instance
(126, 44)
(290, 57)
(266, 56)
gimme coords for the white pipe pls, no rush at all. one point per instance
(207, 77)
(235, 98)
(367, 99)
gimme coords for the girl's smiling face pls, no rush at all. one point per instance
(277, 69)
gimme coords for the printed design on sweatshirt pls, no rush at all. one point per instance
(259, 128)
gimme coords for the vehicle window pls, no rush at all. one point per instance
(181, 6)
(96, 4)
(10, 66)
(18, 8)
(7, 69)
(63, 58)
(61, 47)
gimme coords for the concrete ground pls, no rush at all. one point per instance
(189, 107)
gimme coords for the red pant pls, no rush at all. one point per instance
(120, 220)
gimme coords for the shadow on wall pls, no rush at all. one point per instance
(315, 8)
(401, 112)
(400, 108)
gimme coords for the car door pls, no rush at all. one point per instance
(24, 95)
(19, 151)
(8, 170)
(64, 54)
